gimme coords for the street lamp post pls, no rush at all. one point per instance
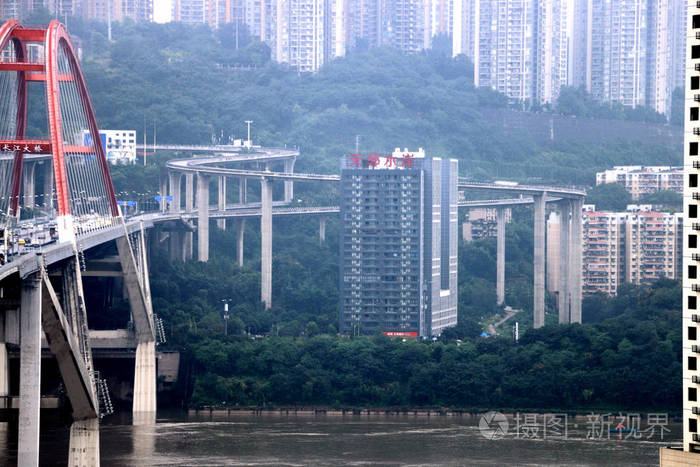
(226, 316)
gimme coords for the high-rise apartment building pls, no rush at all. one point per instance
(691, 226)
(304, 33)
(137, 10)
(406, 24)
(603, 265)
(641, 180)
(637, 246)
(629, 51)
(519, 47)
(398, 249)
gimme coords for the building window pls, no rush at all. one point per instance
(693, 180)
(693, 149)
(693, 113)
(692, 272)
(696, 21)
(692, 363)
(692, 241)
(692, 333)
(695, 82)
(695, 52)
(692, 210)
(692, 302)
(692, 396)
(693, 423)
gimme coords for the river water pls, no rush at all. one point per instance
(179, 439)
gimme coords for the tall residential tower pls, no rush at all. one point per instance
(398, 249)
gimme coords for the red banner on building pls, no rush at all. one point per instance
(400, 333)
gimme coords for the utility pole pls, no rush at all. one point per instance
(154, 136)
(144, 139)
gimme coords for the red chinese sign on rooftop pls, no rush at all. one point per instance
(377, 161)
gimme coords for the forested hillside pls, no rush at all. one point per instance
(199, 88)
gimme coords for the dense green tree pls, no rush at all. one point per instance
(609, 197)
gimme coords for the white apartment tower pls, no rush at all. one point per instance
(629, 51)
(518, 47)
(691, 226)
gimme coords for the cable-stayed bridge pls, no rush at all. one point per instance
(61, 224)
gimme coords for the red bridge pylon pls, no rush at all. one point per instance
(32, 58)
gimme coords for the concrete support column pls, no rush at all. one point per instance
(4, 370)
(322, 230)
(187, 245)
(538, 285)
(203, 217)
(221, 223)
(4, 362)
(175, 179)
(241, 233)
(29, 372)
(163, 193)
(266, 242)
(243, 190)
(188, 237)
(144, 408)
(576, 259)
(289, 184)
(28, 184)
(189, 192)
(500, 255)
(48, 188)
(564, 233)
(175, 245)
(84, 444)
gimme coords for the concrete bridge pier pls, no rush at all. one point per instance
(28, 184)
(4, 362)
(539, 258)
(221, 223)
(564, 266)
(241, 233)
(144, 408)
(266, 242)
(29, 372)
(4, 370)
(322, 230)
(135, 272)
(576, 254)
(203, 217)
(500, 255)
(175, 247)
(289, 184)
(243, 190)
(163, 192)
(189, 192)
(175, 187)
(188, 237)
(84, 444)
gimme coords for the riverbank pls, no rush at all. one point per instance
(411, 412)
